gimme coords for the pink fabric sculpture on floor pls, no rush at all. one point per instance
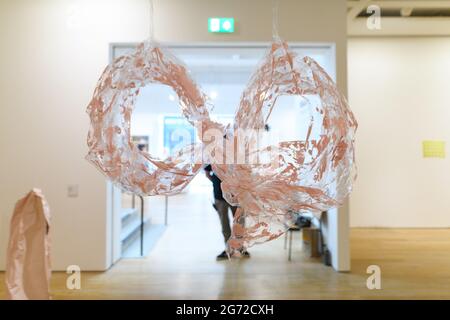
(313, 174)
(28, 268)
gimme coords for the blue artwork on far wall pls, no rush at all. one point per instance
(177, 133)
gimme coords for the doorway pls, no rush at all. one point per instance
(222, 70)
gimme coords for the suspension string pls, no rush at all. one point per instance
(150, 22)
(275, 4)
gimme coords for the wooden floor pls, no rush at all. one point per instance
(415, 264)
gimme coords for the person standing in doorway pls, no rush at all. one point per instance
(222, 206)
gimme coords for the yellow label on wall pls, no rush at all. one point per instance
(433, 149)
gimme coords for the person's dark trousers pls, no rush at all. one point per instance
(222, 209)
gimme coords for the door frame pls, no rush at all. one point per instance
(336, 226)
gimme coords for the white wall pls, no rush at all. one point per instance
(51, 58)
(52, 54)
(399, 89)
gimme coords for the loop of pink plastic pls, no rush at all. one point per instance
(310, 174)
(110, 147)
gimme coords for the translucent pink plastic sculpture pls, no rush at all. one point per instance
(28, 268)
(109, 141)
(310, 175)
(300, 176)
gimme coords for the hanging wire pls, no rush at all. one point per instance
(150, 23)
(275, 4)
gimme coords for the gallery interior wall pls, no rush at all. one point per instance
(52, 54)
(399, 92)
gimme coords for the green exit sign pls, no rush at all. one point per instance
(221, 25)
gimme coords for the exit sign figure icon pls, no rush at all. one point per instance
(221, 25)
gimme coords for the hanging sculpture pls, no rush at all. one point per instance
(313, 174)
(110, 146)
